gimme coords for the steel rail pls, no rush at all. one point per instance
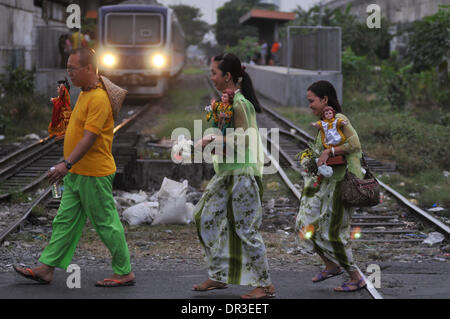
(9, 162)
(306, 138)
(389, 189)
(27, 213)
(370, 288)
(14, 225)
(12, 156)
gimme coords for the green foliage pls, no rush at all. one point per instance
(429, 42)
(421, 146)
(228, 29)
(16, 82)
(245, 49)
(419, 91)
(431, 187)
(395, 87)
(373, 43)
(187, 105)
(193, 70)
(21, 112)
(356, 68)
(425, 94)
(189, 18)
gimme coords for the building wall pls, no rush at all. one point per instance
(19, 24)
(397, 12)
(16, 24)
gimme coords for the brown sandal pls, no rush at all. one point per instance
(211, 286)
(269, 292)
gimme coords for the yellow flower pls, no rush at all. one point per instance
(306, 154)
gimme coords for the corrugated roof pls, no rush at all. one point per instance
(266, 14)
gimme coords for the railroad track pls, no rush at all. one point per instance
(395, 223)
(27, 167)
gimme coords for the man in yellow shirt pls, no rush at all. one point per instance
(88, 171)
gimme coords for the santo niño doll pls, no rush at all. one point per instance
(222, 112)
(330, 128)
(61, 111)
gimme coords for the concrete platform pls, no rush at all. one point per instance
(289, 88)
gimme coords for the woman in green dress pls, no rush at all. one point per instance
(228, 216)
(323, 223)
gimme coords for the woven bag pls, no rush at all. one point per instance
(356, 192)
(116, 95)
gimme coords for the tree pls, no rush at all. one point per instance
(228, 29)
(245, 49)
(373, 43)
(429, 42)
(189, 18)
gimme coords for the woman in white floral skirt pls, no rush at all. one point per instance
(323, 223)
(228, 215)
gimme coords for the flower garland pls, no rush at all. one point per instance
(221, 113)
(308, 162)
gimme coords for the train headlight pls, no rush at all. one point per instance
(159, 60)
(109, 60)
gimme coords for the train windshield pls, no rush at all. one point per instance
(125, 29)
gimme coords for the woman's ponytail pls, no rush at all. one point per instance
(249, 92)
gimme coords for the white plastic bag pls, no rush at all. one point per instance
(135, 197)
(325, 171)
(434, 238)
(181, 150)
(141, 213)
(172, 203)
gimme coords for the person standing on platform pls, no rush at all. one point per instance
(264, 51)
(76, 39)
(274, 50)
(229, 214)
(323, 223)
(88, 171)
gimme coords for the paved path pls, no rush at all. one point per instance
(398, 281)
(167, 285)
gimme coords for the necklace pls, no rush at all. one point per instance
(91, 87)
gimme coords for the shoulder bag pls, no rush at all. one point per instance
(356, 192)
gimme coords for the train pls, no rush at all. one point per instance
(141, 47)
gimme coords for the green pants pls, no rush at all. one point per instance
(87, 196)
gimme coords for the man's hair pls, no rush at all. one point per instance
(87, 56)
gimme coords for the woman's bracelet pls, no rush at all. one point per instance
(332, 151)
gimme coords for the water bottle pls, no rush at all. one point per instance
(56, 189)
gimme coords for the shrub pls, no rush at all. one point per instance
(356, 70)
(245, 49)
(429, 43)
(17, 82)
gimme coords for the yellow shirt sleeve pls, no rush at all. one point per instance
(98, 113)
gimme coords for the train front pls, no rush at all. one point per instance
(134, 49)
